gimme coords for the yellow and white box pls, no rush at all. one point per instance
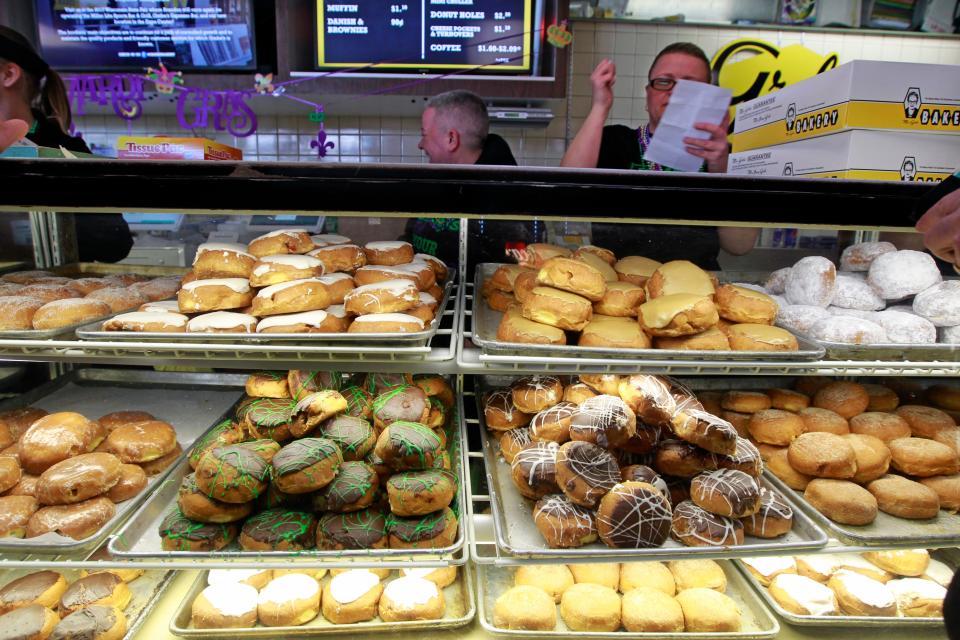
(863, 94)
(167, 148)
(858, 155)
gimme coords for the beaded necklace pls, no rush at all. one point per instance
(643, 137)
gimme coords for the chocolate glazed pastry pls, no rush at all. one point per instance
(90, 623)
(41, 587)
(405, 403)
(414, 493)
(359, 402)
(35, 621)
(279, 530)
(633, 515)
(232, 474)
(195, 505)
(562, 523)
(270, 418)
(306, 465)
(377, 383)
(94, 588)
(366, 529)
(222, 435)
(585, 472)
(181, 534)
(643, 473)
(355, 436)
(726, 492)
(303, 383)
(774, 518)
(353, 488)
(432, 531)
(407, 446)
(534, 469)
(604, 420)
(697, 527)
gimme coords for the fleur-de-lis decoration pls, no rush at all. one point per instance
(263, 83)
(163, 79)
(321, 144)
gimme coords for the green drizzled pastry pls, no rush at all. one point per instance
(232, 474)
(353, 488)
(269, 418)
(267, 384)
(354, 435)
(432, 531)
(263, 447)
(404, 403)
(195, 505)
(416, 493)
(435, 386)
(222, 435)
(278, 530)
(377, 383)
(273, 498)
(178, 533)
(303, 383)
(359, 402)
(366, 529)
(407, 446)
(383, 471)
(306, 465)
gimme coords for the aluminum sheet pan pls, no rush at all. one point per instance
(92, 331)
(517, 535)
(886, 530)
(201, 400)
(44, 334)
(950, 557)
(937, 352)
(460, 610)
(486, 321)
(757, 620)
(139, 539)
(145, 590)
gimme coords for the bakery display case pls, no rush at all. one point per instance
(492, 540)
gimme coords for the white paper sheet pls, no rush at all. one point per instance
(690, 102)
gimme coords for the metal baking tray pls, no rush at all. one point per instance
(486, 321)
(757, 620)
(461, 608)
(938, 352)
(517, 535)
(146, 592)
(200, 400)
(44, 334)
(947, 556)
(886, 530)
(92, 331)
(139, 539)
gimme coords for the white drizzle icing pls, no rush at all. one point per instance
(389, 317)
(867, 590)
(309, 318)
(163, 306)
(324, 239)
(908, 590)
(410, 592)
(295, 261)
(272, 290)
(387, 245)
(223, 247)
(221, 320)
(293, 233)
(816, 598)
(938, 572)
(240, 285)
(650, 509)
(350, 586)
(559, 512)
(768, 566)
(337, 310)
(293, 586)
(232, 599)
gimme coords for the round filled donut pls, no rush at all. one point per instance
(390, 296)
(214, 295)
(388, 253)
(345, 258)
(16, 311)
(220, 259)
(271, 270)
(120, 298)
(69, 311)
(293, 296)
(147, 322)
(281, 241)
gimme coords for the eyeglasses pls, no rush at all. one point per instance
(662, 84)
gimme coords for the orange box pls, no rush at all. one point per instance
(164, 148)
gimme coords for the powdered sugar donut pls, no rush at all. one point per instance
(949, 335)
(777, 281)
(811, 281)
(907, 328)
(940, 304)
(849, 330)
(858, 257)
(853, 292)
(780, 300)
(870, 316)
(900, 274)
(800, 318)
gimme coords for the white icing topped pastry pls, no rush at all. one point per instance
(221, 320)
(417, 572)
(908, 590)
(280, 232)
(333, 247)
(272, 290)
(853, 560)
(410, 592)
(350, 586)
(388, 245)
(426, 257)
(426, 298)
(160, 307)
(240, 285)
(230, 576)
(293, 586)
(324, 239)
(867, 590)
(337, 310)
(295, 261)
(389, 317)
(825, 565)
(818, 599)
(225, 247)
(309, 318)
(771, 565)
(332, 278)
(939, 572)
(394, 270)
(232, 599)
(396, 287)
(164, 317)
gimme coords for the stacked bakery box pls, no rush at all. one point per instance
(863, 120)
(288, 281)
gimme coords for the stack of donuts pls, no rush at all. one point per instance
(907, 583)
(64, 473)
(44, 300)
(236, 599)
(631, 460)
(853, 449)
(590, 298)
(45, 605)
(679, 596)
(314, 460)
(878, 295)
(291, 282)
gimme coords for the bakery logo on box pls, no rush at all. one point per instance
(913, 109)
(911, 103)
(814, 121)
(791, 116)
(788, 169)
(908, 169)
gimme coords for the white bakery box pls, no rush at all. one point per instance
(863, 94)
(856, 154)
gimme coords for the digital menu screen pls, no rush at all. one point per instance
(488, 35)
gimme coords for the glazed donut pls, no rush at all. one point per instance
(822, 455)
(142, 441)
(15, 512)
(573, 276)
(842, 501)
(532, 394)
(390, 296)
(614, 332)
(921, 457)
(773, 519)
(761, 337)
(147, 322)
(811, 281)
(604, 254)
(78, 478)
(365, 529)
(591, 607)
(278, 530)
(679, 276)
(679, 314)
(281, 241)
(847, 399)
(439, 267)
(388, 253)
(386, 323)
(776, 427)
(95, 589)
(340, 258)
(739, 304)
(111, 421)
(77, 521)
(525, 282)
(133, 480)
(726, 492)
(577, 392)
(214, 295)
(585, 472)
(633, 515)
(219, 259)
(818, 419)
(533, 469)
(859, 257)
(294, 296)
(694, 526)
(710, 340)
(56, 437)
(622, 299)
(600, 264)
(557, 308)
(10, 473)
(538, 253)
(514, 327)
(898, 274)
(16, 311)
(504, 278)
(788, 400)
(885, 426)
(563, 523)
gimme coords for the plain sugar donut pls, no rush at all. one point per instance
(853, 292)
(900, 274)
(811, 281)
(849, 330)
(800, 318)
(907, 328)
(859, 257)
(940, 304)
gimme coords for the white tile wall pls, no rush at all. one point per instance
(631, 46)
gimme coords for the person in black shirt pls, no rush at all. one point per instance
(33, 92)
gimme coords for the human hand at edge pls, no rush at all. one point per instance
(940, 227)
(12, 131)
(715, 149)
(602, 79)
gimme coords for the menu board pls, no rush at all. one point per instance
(489, 35)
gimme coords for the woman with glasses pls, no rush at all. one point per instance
(621, 147)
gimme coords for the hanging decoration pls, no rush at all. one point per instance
(321, 144)
(263, 84)
(558, 36)
(164, 81)
(224, 110)
(123, 91)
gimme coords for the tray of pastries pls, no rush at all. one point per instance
(868, 465)
(283, 287)
(67, 604)
(890, 589)
(315, 465)
(284, 603)
(82, 452)
(582, 305)
(40, 304)
(639, 599)
(607, 467)
(879, 304)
